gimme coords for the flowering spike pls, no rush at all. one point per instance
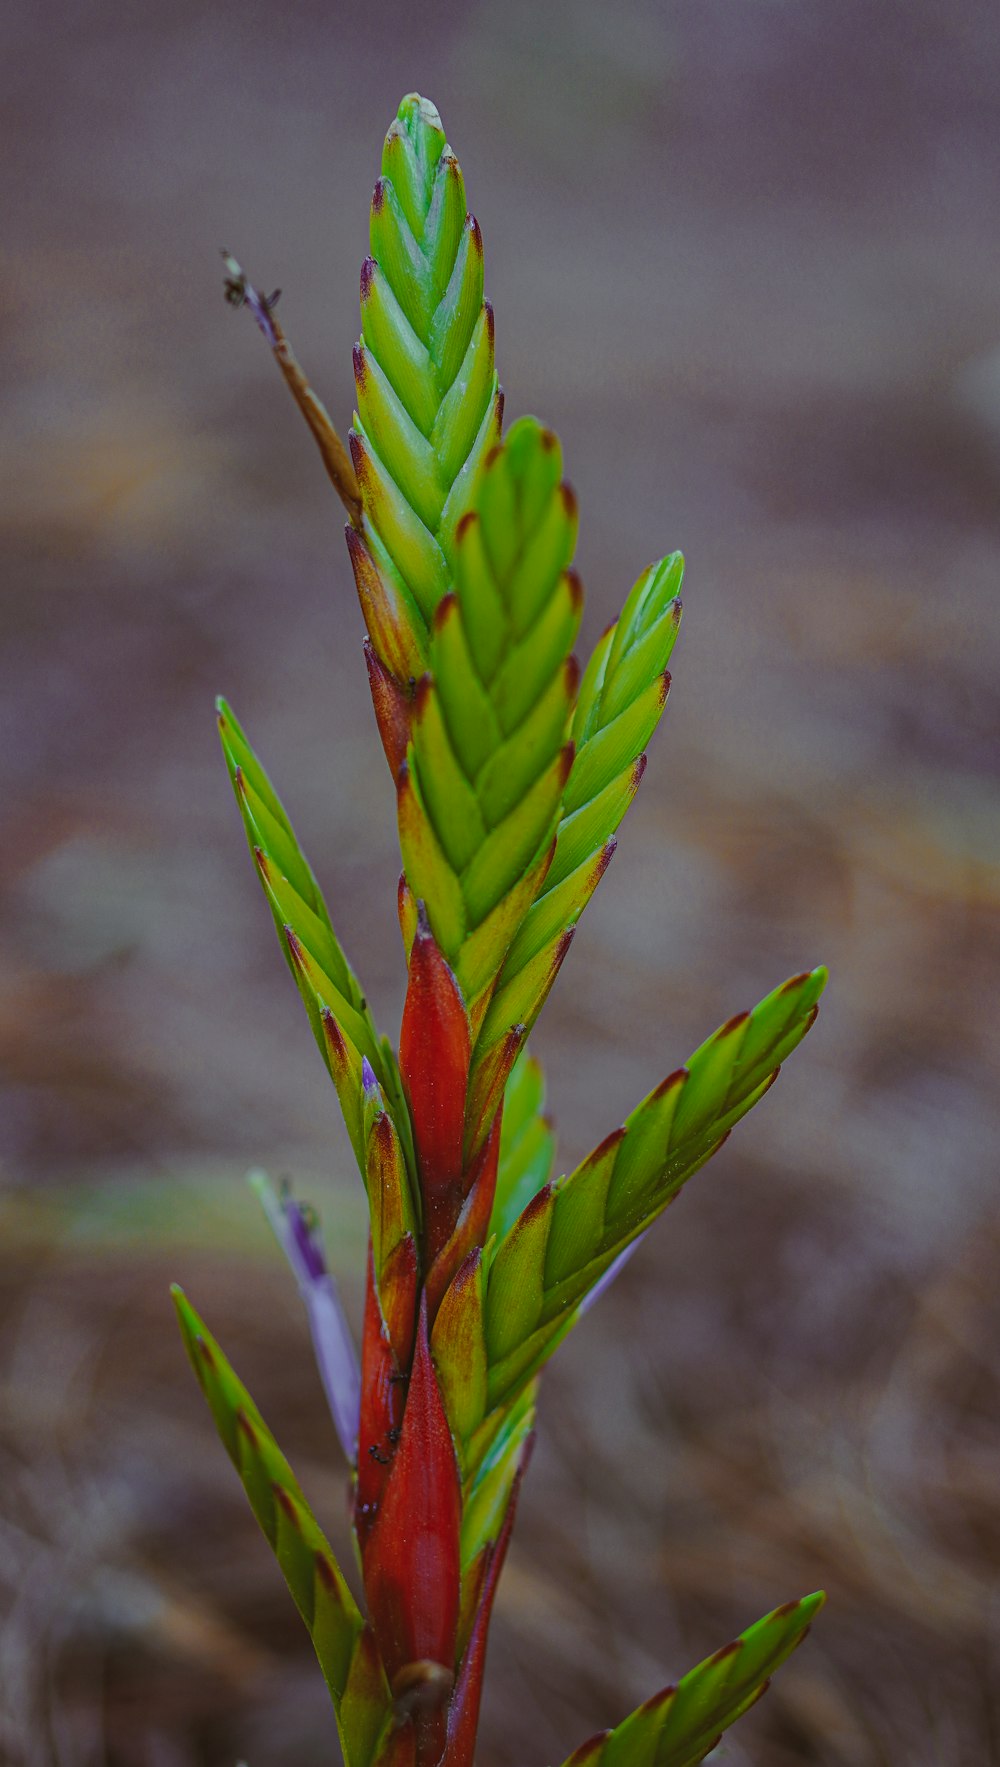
(512, 774)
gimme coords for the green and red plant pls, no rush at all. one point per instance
(512, 773)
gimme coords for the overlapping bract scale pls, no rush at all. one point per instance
(479, 799)
(621, 700)
(429, 408)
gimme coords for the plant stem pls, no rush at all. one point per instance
(240, 292)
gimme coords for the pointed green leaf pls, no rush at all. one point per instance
(346, 1651)
(572, 1231)
(681, 1725)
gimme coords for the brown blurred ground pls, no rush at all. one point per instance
(744, 256)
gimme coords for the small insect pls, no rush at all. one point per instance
(376, 1454)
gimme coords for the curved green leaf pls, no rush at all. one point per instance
(571, 1232)
(681, 1725)
(337, 1009)
(343, 1642)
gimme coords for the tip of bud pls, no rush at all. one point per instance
(368, 1080)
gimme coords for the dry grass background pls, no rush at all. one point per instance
(744, 257)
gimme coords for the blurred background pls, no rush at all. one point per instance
(744, 257)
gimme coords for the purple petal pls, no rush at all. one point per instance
(336, 1357)
(610, 1273)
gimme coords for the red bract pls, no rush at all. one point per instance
(411, 1560)
(434, 1051)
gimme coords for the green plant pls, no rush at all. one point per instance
(512, 774)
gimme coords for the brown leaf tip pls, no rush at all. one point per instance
(359, 455)
(378, 196)
(569, 501)
(608, 1144)
(731, 1026)
(759, 1695)
(287, 1503)
(368, 269)
(679, 1077)
(205, 1352)
(575, 589)
(332, 1032)
(246, 1428)
(731, 1649)
(422, 695)
(793, 982)
(360, 368)
(657, 1701)
(326, 1573)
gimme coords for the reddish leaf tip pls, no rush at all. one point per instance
(325, 1572)
(731, 1649)
(246, 1428)
(793, 982)
(679, 1077)
(575, 589)
(287, 1503)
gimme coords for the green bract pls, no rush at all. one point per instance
(512, 773)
